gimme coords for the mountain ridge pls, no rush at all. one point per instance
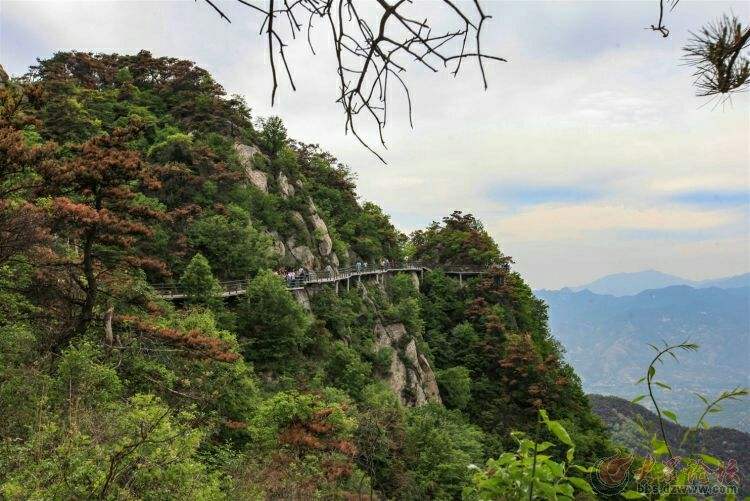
(631, 283)
(606, 340)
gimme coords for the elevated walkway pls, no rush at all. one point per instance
(233, 288)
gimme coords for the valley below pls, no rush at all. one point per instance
(606, 339)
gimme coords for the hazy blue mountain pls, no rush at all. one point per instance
(728, 282)
(606, 338)
(627, 284)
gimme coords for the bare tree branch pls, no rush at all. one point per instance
(660, 24)
(372, 49)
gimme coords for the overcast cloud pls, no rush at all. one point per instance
(588, 154)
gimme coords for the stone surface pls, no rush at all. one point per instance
(429, 382)
(304, 255)
(259, 179)
(278, 245)
(413, 377)
(301, 226)
(287, 190)
(303, 298)
(414, 279)
(325, 246)
(318, 224)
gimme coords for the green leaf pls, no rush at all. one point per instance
(659, 447)
(710, 460)
(560, 432)
(557, 469)
(662, 385)
(633, 495)
(671, 415)
(569, 454)
(651, 371)
(544, 415)
(640, 380)
(582, 469)
(581, 484)
(544, 446)
(638, 399)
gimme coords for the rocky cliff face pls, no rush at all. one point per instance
(309, 244)
(411, 376)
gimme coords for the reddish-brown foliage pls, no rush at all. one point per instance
(95, 205)
(195, 342)
(316, 433)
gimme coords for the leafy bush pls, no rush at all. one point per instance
(455, 386)
(272, 325)
(346, 369)
(233, 246)
(139, 449)
(529, 474)
(440, 446)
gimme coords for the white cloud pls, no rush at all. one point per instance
(554, 223)
(589, 99)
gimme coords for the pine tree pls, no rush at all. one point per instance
(98, 204)
(198, 282)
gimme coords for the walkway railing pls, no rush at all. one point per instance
(238, 287)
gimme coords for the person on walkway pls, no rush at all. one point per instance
(365, 265)
(359, 266)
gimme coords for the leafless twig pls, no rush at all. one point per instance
(660, 27)
(373, 49)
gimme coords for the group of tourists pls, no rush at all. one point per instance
(293, 276)
(362, 266)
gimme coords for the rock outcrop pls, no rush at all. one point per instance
(285, 187)
(410, 377)
(258, 178)
(307, 242)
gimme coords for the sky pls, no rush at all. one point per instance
(588, 154)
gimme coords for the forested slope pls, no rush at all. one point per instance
(119, 172)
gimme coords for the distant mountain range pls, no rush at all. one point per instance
(622, 416)
(606, 340)
(627, 284)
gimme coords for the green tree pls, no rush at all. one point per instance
(271, 322)
(460, 240)
(440, 445)
(455, 387)
(198, 282)
(380, 438)
(235, 248)
(273, 135)
(139, 449)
